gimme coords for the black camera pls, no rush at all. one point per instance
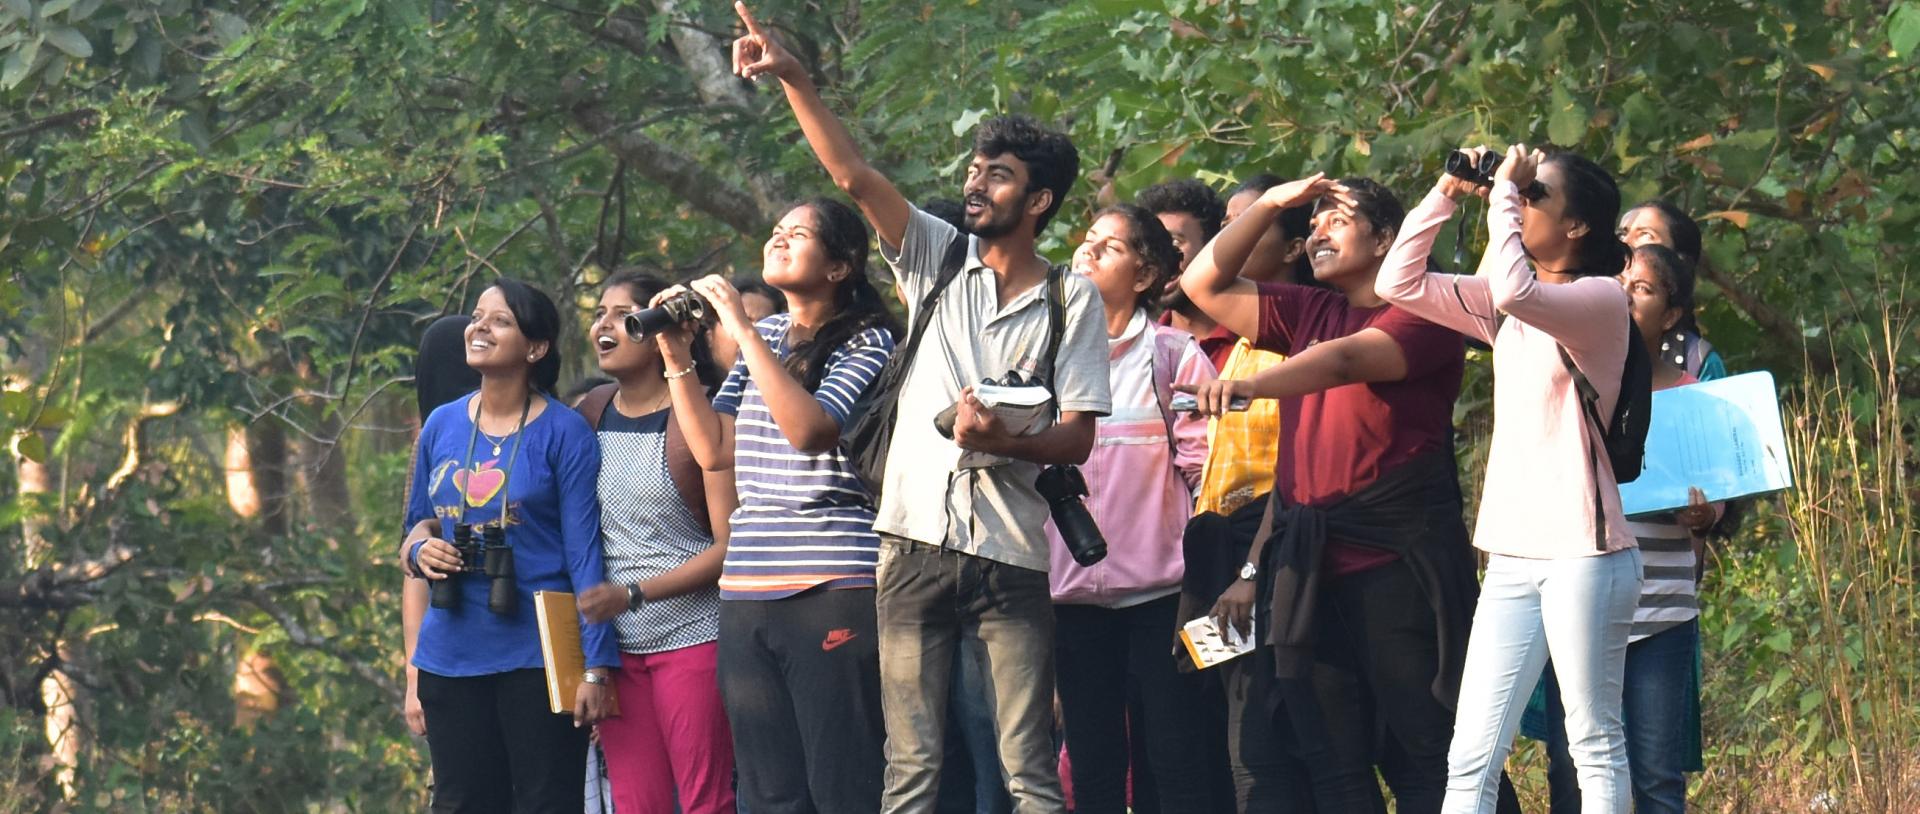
(446, 592)
(1063, 487)
(489, 555)
(679, 308)
(1461, 165)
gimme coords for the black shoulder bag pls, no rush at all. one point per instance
(869, 431)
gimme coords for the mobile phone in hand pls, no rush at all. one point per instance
(1186, 403)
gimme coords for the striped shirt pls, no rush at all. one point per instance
(805, 521)
(1667, 594)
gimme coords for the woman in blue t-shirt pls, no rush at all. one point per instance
(799, 656)
(510, 459)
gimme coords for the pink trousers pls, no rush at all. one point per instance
(671, 735)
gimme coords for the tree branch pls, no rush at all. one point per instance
(708, 60)
(679, 173)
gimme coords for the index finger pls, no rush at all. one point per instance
(753, 27)
(1187, 387)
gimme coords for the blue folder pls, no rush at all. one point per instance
(1724, 436)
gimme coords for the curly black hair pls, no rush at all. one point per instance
(1188, 197)
(1052, 162)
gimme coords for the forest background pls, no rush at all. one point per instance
(223, 224)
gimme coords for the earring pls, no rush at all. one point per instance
(530, 357)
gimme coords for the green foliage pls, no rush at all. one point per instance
(235, 217)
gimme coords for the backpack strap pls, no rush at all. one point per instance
(1056, 324)
(1590, 407)
(688, 478)
(593, 405)
(685, 472)
(950, 265)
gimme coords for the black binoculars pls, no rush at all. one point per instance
(674, 310)
(1461, 165)
(489, 555)
(1063, 487)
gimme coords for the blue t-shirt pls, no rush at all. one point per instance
(553, 527)
(804, 521)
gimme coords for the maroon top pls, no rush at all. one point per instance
(1217, 345)
(1336, 442)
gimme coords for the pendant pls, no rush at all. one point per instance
(496, 450)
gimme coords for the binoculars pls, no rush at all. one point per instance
(684, 307)
(1462, 166)
(488, 555)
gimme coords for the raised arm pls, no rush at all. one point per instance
(802, 418)
(1588, 316)
(1456, 301)
(1213, 281)
(758, 54)
(709, 434)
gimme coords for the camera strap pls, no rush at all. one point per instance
(506, 475)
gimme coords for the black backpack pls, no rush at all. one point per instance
(869, 429)
(1625, 436)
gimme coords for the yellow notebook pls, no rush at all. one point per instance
(559, 622)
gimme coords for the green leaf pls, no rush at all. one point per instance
(15, 404)
(32, 447)
(52, 7)
(1567, 124)
(70, 41)
(20, 9)
(1903, 29)
(16, 68)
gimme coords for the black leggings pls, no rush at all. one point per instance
(1103, 651)
(496, 748)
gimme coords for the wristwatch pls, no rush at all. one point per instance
(1248, 571)
(635, 596)
(591, 677)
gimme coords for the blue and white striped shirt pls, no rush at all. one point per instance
(804, 521)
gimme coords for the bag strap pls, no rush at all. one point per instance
(1590, 407)
(950, 265)
(593, 405)
(1056, 325)
(688, 478)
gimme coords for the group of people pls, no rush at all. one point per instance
(781, 632)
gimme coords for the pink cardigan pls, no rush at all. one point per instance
(1537, 501)
(1140, 483)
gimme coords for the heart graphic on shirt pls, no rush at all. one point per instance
(480, 484)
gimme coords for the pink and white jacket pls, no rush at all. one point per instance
(1140, 483)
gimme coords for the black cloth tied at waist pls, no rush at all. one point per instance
(1413, 511)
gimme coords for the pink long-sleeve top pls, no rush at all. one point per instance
(1547, 461)
(1140, 480)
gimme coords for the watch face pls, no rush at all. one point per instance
(1247, 571)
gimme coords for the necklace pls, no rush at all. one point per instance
(659, 404)
(496, 442)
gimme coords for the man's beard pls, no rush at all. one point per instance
(988, 228)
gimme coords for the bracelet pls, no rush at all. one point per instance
(680, 373)
(413, 559)
(591, 677)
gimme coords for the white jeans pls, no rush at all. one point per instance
(1578, 610)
